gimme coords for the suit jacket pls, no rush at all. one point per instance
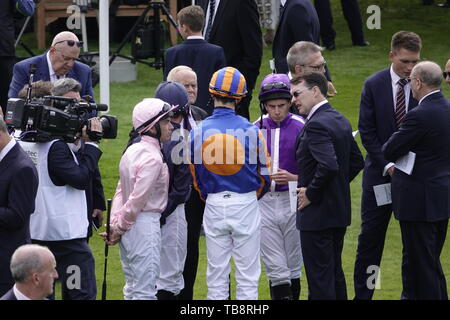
(298, 22)
(328, 159)
(9, 295)
(237, 30)
(204, 58)
(198, 113)
(79, 72)
(377, 123)
(425, 194)
(18, 188)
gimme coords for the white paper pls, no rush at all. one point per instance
(272, 64)
(406, 163)
(354, 133)
(383, 194)
(293, 195)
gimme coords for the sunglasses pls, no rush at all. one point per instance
(71, 43)
(317, 67)
(446, 74)
(274, 85)
(299, 92)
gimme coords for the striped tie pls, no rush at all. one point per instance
(400, 105)
(212, 9)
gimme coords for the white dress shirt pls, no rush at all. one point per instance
(7, 148)
(53, 76)
(207, 16)
(317, 106)
(19, 295)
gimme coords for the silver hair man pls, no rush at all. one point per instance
(63, 86)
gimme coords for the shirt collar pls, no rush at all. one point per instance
(283, 2)
(50, 67)
(395, 77)
(7, 148)
(317, 106)
(195, 37)
(429, 94)
(19, 295)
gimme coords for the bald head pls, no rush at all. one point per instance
(27, 259)
(63, 52)
(65, 35)
(429, 73)
(188, 78)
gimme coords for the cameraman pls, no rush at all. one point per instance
(70, 88)
(59, 221)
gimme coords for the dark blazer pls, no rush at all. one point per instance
(63, 170)
(237, 30)
(377, 123)
(9, 295)
(423, 195)
(204, 58)
(328, 160)
(18, 188)
(79, 72)
(198, 113)
(298, 22)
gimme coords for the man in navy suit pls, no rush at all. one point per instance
(33, 268)
(328, 159)
(234, 25)
(203, 57)
(58, 62)
(298, 22)
(18, 187)
(385, 99)
(421, 199)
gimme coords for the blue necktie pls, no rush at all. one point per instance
(212, 9)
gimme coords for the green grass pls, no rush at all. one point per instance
(349, 66)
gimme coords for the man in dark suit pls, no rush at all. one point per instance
(385, 99)
(33, 268)
(194, 207)
(58, 62)
(203, 57)
(18, 188)
(421, 199)
(328, 159)
(298, 22)
(352, 15)
(234, 26)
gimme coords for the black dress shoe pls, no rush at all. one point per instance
(331, 47)
(427, 2)
(362, 44)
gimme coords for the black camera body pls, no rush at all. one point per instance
(51, 117)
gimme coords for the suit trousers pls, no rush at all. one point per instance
(374, 224)
(194, 216)
(173, 252)
(423, 242)
(140, 250)
(322, 256)
(232, 226)
(76, 268)
(280, 239)
(6, 70)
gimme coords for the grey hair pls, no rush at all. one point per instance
(429, 73)
(3, 127)
(299, 54)
(63, 86)
(172, 76)
(26, 260)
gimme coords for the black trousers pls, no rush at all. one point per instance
(374, 224)
(6, 72)
(352, 15)
(194, 209)
(76, 268)
(423, 242)
(322, 257)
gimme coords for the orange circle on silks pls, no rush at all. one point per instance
(223, 154)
